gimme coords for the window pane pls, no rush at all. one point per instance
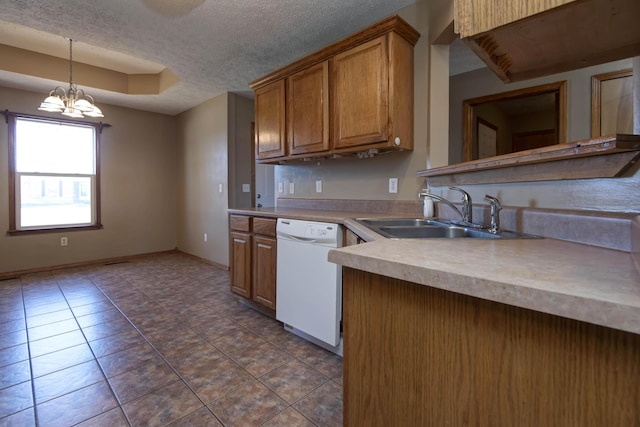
(47, 200)
(54, 148)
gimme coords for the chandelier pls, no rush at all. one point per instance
(72, 102)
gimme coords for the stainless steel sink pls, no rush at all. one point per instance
(435, 231)
(419, 228)
(401, 222)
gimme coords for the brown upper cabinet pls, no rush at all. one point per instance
(269, 119)
(308, 110)
(352, 96)
(523, 39)
(361, 95)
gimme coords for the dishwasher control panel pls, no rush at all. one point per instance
(319, 232)
(313, 232)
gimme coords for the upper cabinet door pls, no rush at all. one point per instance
(360, 89)
(308, 110)
(270, 120)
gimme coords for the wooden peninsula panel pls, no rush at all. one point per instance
(417, 356)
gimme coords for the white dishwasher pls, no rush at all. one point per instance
(308, 287)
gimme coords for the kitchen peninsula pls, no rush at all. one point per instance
(486, 332)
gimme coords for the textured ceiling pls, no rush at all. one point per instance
(213, 46)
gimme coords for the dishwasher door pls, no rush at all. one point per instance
(308, 287)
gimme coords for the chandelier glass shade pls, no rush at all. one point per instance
(72, 102)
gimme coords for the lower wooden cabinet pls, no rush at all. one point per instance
(241, 263)
(421, 356)
(264, 271)
(253, 247)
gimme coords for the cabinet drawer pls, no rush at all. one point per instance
(240, 222)
(264, 226)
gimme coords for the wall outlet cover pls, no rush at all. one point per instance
(318, 186)
(393, 185)
(291, 188)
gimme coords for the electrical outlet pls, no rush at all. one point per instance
(64, 241)
(318, 186)
(205, 237)
(219, 188)
(281, 187)
(291, 188)
(393, 185)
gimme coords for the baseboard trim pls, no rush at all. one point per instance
(206, 261)
(19, 273)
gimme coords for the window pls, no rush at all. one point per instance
(54, 174)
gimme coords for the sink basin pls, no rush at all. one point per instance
(401, 222)
(435, 231)
(420, 228)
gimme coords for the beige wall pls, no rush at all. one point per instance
(202, 168)
(368, 178)
(614, 194)
(139, 191)
(240, 150)
(482, 82)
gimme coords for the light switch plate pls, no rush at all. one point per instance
(281, 187)
(291, 188)
(246, 188)
(318, 186)
(393, 185)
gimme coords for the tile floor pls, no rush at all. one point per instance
(152, 342)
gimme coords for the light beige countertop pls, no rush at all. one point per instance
(319, 215)
(582, 282)
(591, 284)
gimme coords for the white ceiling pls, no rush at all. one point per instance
(213, 46)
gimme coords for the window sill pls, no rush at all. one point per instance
(54, 230)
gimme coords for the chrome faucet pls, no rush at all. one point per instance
(467, 206)
(496, 207)
(465, 213)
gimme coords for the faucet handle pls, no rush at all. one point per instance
(466, 197)
(496, 207)
(467, 208)
(494, 202)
